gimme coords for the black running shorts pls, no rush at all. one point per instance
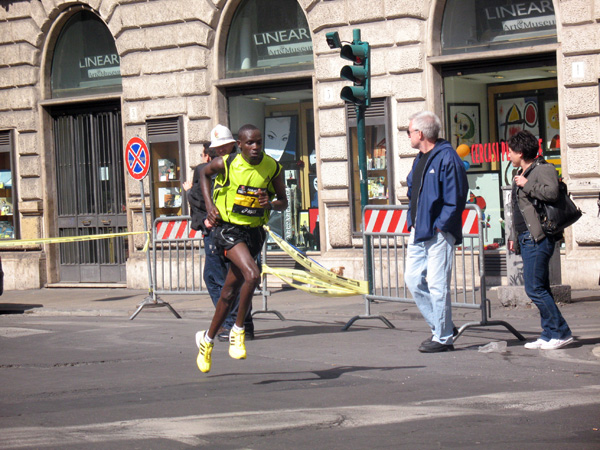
(227, 235)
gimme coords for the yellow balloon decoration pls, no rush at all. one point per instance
(463, 150)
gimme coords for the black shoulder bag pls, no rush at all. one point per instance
(558, 215)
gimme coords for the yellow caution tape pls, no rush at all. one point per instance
(64, 239)
(306, 282)
(357, 286)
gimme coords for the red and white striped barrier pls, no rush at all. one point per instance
(175, 229)
(386, 221)
(470, 222)
(394, 221)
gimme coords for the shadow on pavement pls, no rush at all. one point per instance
(16, 308)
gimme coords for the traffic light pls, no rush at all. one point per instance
(359, 73)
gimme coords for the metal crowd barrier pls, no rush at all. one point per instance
(178, 263)
(385, 238)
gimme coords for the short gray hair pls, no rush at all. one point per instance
(428, 123)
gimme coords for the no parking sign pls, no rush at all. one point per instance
(137, 158)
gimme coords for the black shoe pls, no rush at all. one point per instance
(249, 335)
(223, 336)
(454, 334)
(435, 347)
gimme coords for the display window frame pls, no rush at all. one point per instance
(380, 168)
(8, 195)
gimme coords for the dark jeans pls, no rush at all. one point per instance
(215, 270)
(536, 272)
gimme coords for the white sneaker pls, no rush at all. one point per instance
(553, 344)
(535, 344)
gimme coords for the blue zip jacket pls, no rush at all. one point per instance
(443, 193)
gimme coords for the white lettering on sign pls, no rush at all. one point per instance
(527, 24)
(276, 50)
(519, 10)
(298, 34)
(107, 72)
(99, 61)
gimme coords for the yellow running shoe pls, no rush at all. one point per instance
(205, 350)
(237, 346)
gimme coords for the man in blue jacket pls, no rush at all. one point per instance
(437, 190)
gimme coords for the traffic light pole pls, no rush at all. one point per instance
(364, 185)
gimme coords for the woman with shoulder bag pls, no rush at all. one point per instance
(535, 180)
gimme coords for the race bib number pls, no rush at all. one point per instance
(246, 202)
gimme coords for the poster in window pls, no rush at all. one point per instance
(484, 191)
(167, 170)
(280, 138)
(5, 179)
(514, 115)
(169, 197)
(464, 127)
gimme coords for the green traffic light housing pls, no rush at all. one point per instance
(333, 40)
(359, 73)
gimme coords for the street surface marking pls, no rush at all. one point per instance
(12, 332)
(191, 430)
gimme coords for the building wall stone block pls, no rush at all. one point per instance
(591, 70)
(333, 148)
(583, 132)
(404, 148)
(22, 30)
(328, 15)
(379, 61)
(165, 85)
(332, 122)
(162, 12)
(195, 150)
(29, 144)
(18, 98)
(30, 166)
(198, 131)
(406, 8)
(379, 33)
(30, 189)
(582, 101)
(18, 53)
(329, 94)
(164, 61)
(327, 67)
(360, 11)
(198, 107)
(583, 162)
(406, 109)
(334, 195)
(337, 175)
(586, 231)
(581, 39)
(407, 87)
(405, 59)
(596, 14)
(24, 120)
(338, 226)
(153, 108)
(573, 12)
(165, 36)
(408, 30)
(18, 76)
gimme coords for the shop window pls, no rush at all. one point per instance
(482, 25)
(8, 213)
(167, 161)
(379, 160)
(268, 36)
(85, 60)
(483, 110)
(285, 117)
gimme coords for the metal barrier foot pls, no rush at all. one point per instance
(355, 318)
(269, 311)
(492, 323)
(151, 302)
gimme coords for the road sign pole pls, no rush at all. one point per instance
(137, 158)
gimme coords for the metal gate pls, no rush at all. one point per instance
(386, 235)
(90, 197)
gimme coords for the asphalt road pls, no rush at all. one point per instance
(105, 382)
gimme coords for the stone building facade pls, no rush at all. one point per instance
(185, 66)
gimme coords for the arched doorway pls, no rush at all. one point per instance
(87, 141)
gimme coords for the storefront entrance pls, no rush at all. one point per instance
(90, 192)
